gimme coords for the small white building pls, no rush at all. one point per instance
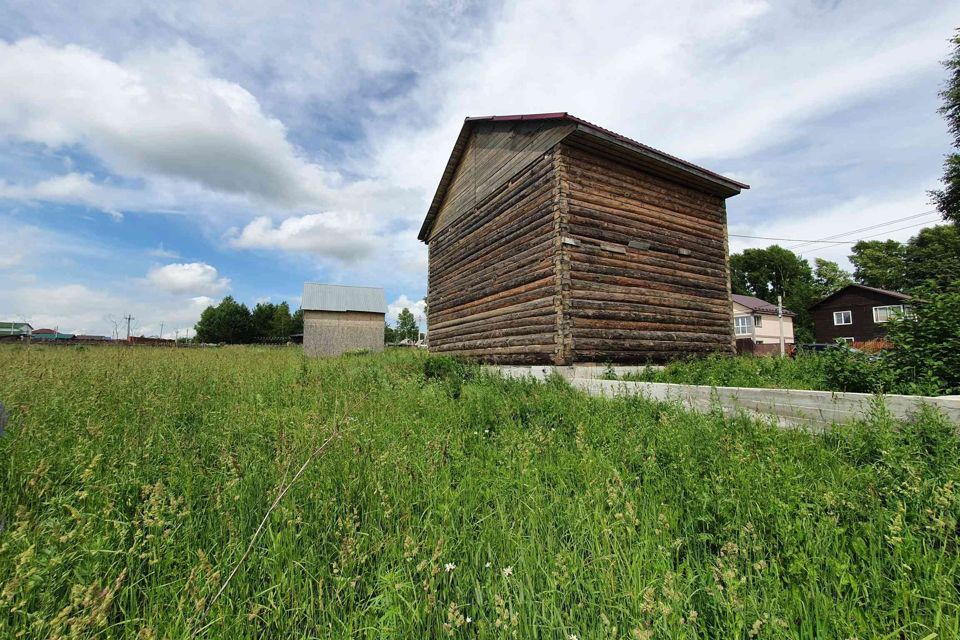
(757, 320)
(338, 319)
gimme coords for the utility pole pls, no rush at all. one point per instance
(128, 318)
(783, 348)
(161, 330)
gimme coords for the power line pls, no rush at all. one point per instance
(736, 235)
(829, 240)
(909, 226)
(875, 226)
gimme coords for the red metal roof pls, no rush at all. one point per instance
(728, 185)
(758, 305)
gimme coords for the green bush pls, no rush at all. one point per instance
(804, 372)
(927, 346)
(848, 370)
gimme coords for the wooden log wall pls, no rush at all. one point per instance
(664, 297)
(493, 291)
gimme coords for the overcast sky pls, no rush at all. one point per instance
(154, 159)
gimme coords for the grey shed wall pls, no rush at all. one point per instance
(331, 333)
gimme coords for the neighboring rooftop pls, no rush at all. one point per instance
(652, 159)
(893, 294)
(335, 297)
(15, 329)
(758, 305)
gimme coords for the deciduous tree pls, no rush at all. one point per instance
(828, 278)
(947, 199)
(880, 263)
(407, 327)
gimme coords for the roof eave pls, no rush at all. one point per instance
(679, 169)
(727, 187)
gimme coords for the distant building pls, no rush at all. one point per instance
(338, 319)
(39, 335)
(756, 320)
(14, 331)
(856, 313)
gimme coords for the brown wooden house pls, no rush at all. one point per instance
(555, 241)
(856, 313)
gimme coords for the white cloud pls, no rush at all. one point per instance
(347, 237)
(158, 113)
(706, 81)
(417, 307)
(196, 278)
(72, 188)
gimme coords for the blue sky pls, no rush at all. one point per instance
(155, 159)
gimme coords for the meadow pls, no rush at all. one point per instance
(443, 502)
(806, 371)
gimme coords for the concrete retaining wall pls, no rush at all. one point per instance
(810, 410)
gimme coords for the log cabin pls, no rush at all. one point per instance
(554, 241)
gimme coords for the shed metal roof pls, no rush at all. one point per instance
(654, 158)
(335, 297)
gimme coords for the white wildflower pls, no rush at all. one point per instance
(449, 567)
(507, 572)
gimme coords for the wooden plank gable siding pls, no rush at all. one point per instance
(665, 297)
(496, 152)
(492, 275)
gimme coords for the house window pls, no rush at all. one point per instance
(741, 325)
(883, 314)
(757, 321)
(842, 317)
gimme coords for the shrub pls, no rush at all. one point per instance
(450, 372)
(928, 344)
(848, 370)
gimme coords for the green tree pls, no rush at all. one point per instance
(260, 319)
(228, 322)
(407, 327)
(932, 260)
(880, 263)
(767, 273)
(296, 322)
(281, 324)
(947, 200)
(828, 278)
(389, 334)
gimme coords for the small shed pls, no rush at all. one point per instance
(554, 241)
(338, 319)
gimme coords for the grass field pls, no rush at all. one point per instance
(448, 505)
(803, 372)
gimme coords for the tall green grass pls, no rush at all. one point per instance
(806, 371)
(452, 505)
